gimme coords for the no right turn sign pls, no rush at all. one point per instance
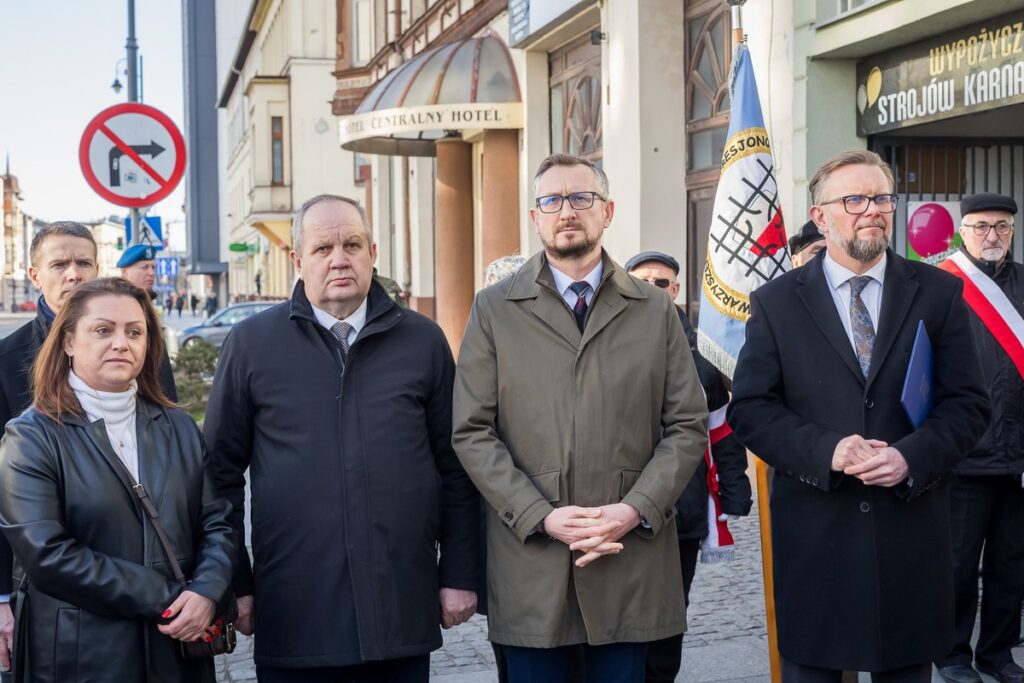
(132, 155)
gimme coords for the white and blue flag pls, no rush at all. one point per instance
(747, 239)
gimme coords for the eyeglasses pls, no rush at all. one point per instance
(552, 203)
(858, 203)
(981, 229)
(662, 282)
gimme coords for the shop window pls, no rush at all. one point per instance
(945, 170)
(708, 57)
(277, 150)
(575, 91)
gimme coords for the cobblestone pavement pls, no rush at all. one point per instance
(726, 603)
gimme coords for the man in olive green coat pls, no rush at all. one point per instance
(580, 417)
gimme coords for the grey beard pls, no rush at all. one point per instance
(860, 250)
(867, 250)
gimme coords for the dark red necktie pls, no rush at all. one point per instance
(580, 309)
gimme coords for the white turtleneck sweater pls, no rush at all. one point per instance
(117, 410)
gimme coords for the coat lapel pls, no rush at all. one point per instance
(897, 296)
(97, 432)
(817, 297)
(152, 433)
(534, 281)
(610, 299)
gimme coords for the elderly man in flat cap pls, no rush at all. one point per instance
(722, 475)
(138, 266)
(806, 244)
(986, 496)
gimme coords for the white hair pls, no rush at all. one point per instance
(502, 268)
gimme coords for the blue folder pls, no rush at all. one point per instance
(918, 385)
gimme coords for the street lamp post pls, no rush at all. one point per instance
(132, 57)
(132, 50)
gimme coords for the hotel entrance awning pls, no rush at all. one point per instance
(467, 84)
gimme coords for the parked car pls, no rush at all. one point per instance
(27, 306)
(216, 328)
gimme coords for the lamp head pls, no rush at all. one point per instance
(116, 85)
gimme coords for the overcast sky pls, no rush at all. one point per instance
(57, 62)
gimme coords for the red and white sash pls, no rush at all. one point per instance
(991, 305)
(719, 545)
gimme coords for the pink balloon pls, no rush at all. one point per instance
(930, 229)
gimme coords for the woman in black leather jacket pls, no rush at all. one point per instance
(96, 599)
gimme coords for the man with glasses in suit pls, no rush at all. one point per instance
(860, 498)
(579, 416)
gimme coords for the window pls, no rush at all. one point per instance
(362, 32)
(708, 56)
(277, 150)
(575, 91)
(832, 9)
(707, 84)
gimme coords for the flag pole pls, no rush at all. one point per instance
(761, 469)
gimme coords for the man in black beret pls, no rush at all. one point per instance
(732, 497)
(805, 245)
(986, 496)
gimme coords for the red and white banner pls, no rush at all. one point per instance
(991, 305)
(719, 545)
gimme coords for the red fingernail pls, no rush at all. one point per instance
(215, 631)
(166, 613)
(208, 639)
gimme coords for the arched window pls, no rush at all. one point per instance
(575, 82)
(708, 60)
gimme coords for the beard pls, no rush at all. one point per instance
(993, 253)
(863, 250)
(575, 250)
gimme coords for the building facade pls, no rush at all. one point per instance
(642, 88)
(14, 259)
(281, 138)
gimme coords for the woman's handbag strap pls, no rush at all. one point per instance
(147, 505)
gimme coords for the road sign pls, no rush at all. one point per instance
(167, 266)
(156, 230)
(132, 155)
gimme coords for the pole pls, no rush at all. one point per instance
(132, 49)
(761, 472)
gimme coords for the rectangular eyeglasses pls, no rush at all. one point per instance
(859, 203)
(552, 203)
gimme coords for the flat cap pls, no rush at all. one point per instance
(987, 201)
(808, 235)
(139, 252)
(647, 256)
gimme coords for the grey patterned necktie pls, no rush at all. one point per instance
(341, 330)
(860, 321)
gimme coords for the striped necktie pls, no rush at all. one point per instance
(580, 309)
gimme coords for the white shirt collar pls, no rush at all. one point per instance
(838, 275)
(357, 320)
(562, 281)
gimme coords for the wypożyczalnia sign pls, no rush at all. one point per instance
(970, 70)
